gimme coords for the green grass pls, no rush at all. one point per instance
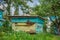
(26, 36)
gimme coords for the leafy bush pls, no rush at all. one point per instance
(6, 26)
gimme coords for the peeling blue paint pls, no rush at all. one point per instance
(1, 17)
(31, 19)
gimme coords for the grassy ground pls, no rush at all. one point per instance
(26, 36)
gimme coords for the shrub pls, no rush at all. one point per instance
(6, 26)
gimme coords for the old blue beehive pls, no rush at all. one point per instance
(34, 19)
(1, 17)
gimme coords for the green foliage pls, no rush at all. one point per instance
(6, 26)
(25, 36)
(48, 8)
(45, 27)
(17, 3)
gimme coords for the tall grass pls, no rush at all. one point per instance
(25, 36)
